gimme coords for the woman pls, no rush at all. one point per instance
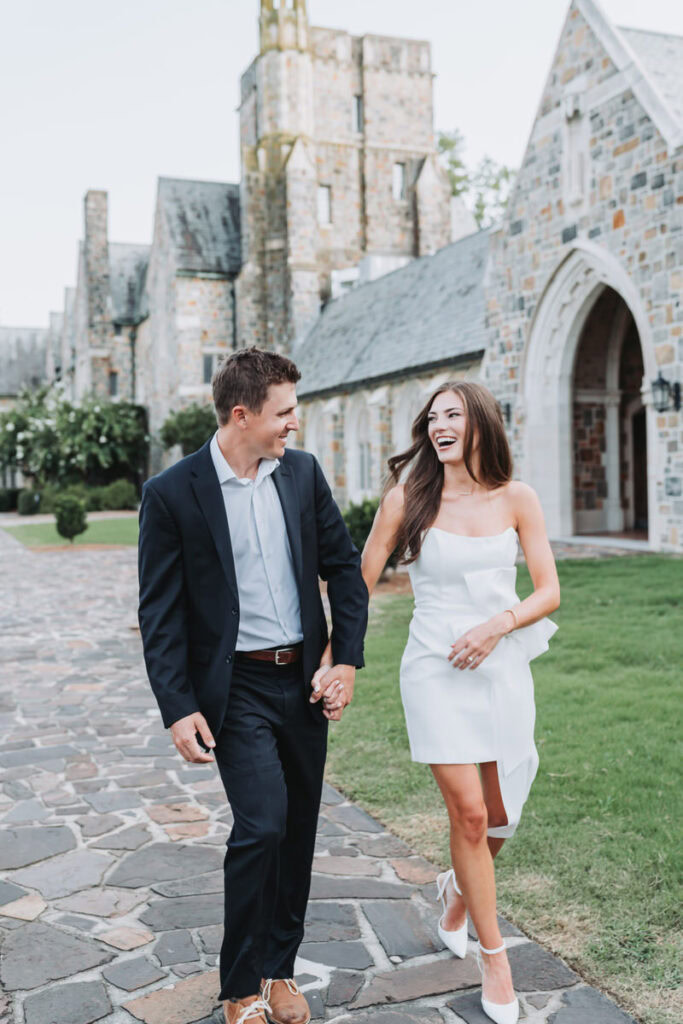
(468, 697)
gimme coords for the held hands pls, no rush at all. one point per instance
(183, 734)
(333, 684)
(477, 643)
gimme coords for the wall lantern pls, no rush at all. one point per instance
(665, 394)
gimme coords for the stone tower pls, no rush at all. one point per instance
(340, 180)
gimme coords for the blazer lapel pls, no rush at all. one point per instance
(208, 493)
(289, 499)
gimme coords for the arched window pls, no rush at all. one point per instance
(315, 440)
(357, 443)
(364, 453)
(407, 404)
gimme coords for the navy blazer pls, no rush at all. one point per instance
(189, 604)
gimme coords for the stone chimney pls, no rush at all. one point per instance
(96, 251)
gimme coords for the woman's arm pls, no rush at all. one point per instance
(539, 557)
(382, 537)
(378, 548)
(475, 645)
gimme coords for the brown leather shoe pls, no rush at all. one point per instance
(250, 1010)
(287, 1003)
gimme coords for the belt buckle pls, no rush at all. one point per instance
(279, 651)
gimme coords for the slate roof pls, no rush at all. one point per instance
(662, 58)
(203, 219)
(23, 353)
(127, 273)
(427, 313)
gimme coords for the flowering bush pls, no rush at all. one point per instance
(53, 440)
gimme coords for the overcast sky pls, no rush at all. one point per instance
(110, 94)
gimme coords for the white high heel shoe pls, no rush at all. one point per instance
(499, 1013)
(456, 940)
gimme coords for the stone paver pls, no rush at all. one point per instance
(71, 1003)
(111, 847)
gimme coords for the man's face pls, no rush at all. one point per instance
(269, 429)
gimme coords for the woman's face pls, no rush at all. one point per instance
(447, 426)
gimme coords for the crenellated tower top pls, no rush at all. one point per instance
(283, 25)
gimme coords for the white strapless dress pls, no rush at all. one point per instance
(471, 716)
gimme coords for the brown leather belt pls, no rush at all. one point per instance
(276, 655)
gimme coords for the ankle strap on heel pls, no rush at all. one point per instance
(491, 952)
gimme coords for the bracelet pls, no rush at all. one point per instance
(514, 618)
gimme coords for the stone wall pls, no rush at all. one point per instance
(299, 131)
(191, 316)
(608, 189)
(329, 428)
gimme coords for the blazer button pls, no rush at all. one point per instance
(228, 659)
(234, 611)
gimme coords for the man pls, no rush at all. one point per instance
(233, 540)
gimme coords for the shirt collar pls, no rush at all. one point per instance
(225, 472)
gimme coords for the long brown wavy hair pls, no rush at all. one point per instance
(424, 482)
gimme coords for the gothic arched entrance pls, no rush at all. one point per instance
(588, 419)
(609, 436)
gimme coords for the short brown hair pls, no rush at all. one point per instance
(244, 378)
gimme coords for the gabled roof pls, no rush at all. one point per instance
(651, 63)
(661, 56)
(427, 313)
(127, 273)
(203, 219)
(23, 354)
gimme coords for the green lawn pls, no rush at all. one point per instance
(100, 531)
(594, 870)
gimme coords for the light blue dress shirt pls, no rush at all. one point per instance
(270, 613)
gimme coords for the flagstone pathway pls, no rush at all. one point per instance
(111, 846)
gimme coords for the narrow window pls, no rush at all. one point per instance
(358, 113)
(324, 204)
(364, 453)
(208, 368)
(399, 181)
(113, 384)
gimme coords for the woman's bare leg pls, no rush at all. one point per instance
(461, 788)
(493, 798)
(456, 907)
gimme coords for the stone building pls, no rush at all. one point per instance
(578, 310)
(23, 360)
(340, 178)
(337, 247)
(340, 184)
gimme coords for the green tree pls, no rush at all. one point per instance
(70, 516)
(190, 427)
(484, 188)
(450, 146)
(490, 186)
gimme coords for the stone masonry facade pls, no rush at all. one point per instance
(578, 311)
(336, 133)
(601, 180)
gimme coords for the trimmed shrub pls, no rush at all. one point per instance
(71, 516)
(190, 427)
(5, 500)
(359, 519)
(28, 503)
(120, 494)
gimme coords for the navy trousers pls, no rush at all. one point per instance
(271, 755)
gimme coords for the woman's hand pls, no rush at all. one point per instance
(477, 643)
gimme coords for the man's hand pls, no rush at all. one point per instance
(183, 734)
(333, 684)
